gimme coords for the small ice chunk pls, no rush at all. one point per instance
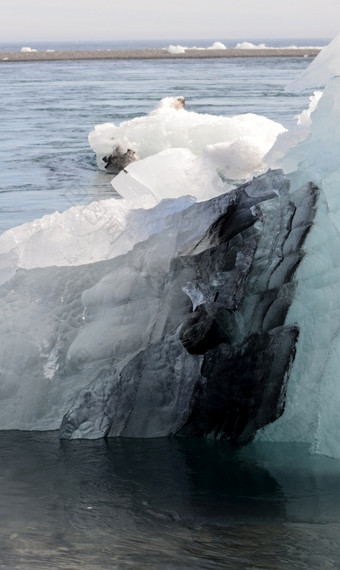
(175, 49)
(217, 45)
(249, 45)
(27, 50)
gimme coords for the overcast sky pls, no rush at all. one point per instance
(23, 20)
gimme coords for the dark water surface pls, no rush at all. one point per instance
(165, 503)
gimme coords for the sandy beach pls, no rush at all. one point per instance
(116, 54)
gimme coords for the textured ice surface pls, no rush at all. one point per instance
(238, 269)
(150, 397)
(83, 234)
(60, 326)
(63, 327)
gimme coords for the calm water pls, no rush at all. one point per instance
(165, 503)
(152, 503)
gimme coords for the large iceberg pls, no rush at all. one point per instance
(192, 302)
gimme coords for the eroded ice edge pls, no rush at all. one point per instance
(122, 316)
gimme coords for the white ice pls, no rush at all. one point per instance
(217, 45)
(83, 234)
(168, 174)
(249, 45)
(27, 50)
(175, 49)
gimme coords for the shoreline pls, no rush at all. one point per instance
(141, 54)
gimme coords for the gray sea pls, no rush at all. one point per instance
(165, 503)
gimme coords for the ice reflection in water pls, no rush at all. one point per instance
(165, 503)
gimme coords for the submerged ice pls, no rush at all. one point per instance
(191, 302)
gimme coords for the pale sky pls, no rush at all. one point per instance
(23, 20)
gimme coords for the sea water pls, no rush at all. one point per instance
(164, 503)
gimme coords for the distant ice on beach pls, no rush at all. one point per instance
(186, 43)
(246, 45)
(177, 49)
(28, 50)
(217, 45)
(250, 45)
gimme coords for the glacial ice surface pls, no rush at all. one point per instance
(60, 326)
(161, 375)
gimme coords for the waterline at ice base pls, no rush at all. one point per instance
(201, 299)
